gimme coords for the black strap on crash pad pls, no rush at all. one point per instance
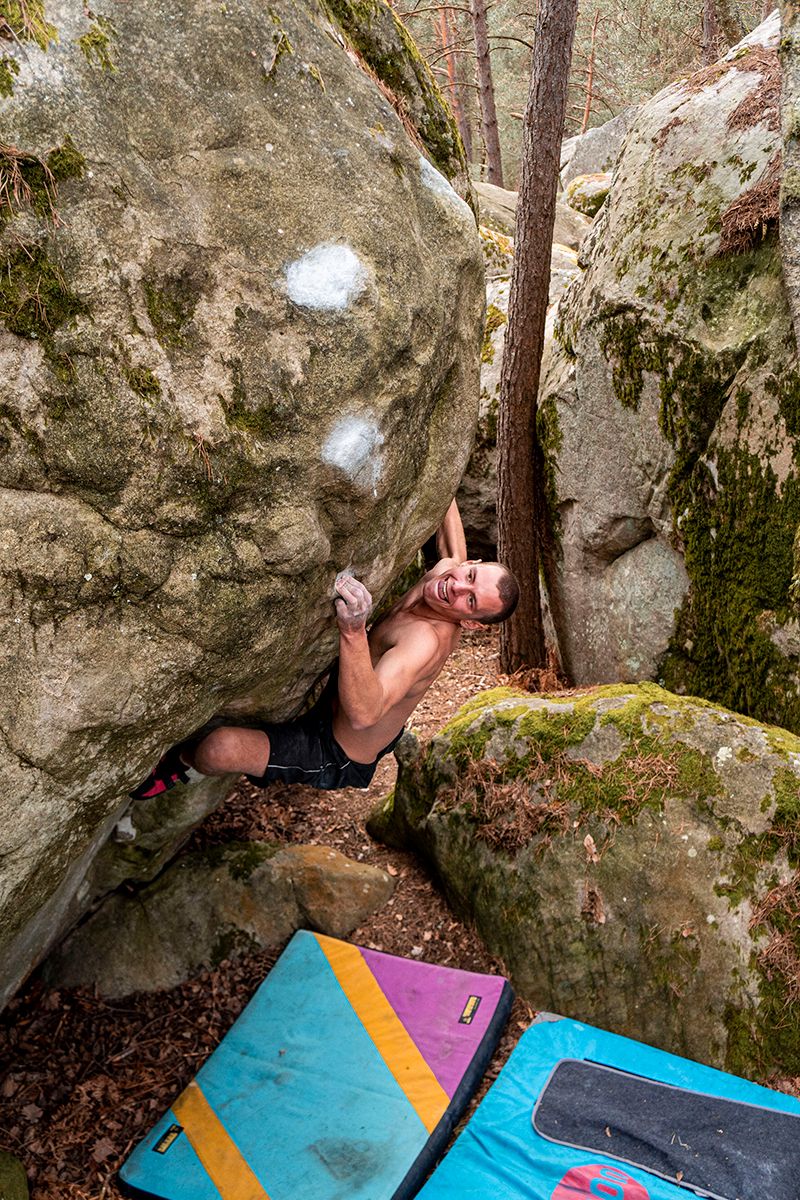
(724, 1149)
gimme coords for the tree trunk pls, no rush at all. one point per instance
(464, 127)
(444, 31)
(491, 137)
(523, 518)
(729, 22)
(710, 33)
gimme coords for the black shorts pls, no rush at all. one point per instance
(305, 751)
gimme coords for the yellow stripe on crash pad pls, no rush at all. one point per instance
(215, 1148)
(390, 1036)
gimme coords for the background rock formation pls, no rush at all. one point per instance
(237, 354)
(670, 407)
(630, 854)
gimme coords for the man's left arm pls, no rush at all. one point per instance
(450, 539)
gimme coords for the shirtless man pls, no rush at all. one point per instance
(381, 678)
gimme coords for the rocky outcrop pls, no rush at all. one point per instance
(498, 209)
(631, 855)
(586, 193)
(212, 905)
(236, 356)
(596, 150)
(670, 408)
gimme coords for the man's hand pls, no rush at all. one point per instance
(353, 604)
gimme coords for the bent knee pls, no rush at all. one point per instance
(221, 751)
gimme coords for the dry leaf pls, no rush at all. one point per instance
(591, 849)
(102, 1150)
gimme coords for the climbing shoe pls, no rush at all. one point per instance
(172, 769)
(169, 772)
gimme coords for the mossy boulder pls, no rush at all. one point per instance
(237, 354)
(630, 854)
(671, 407)
(215, 904)
(587, 193)
(13, 1181)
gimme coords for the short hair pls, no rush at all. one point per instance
(508, 590)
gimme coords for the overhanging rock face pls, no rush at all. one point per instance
(239, 317)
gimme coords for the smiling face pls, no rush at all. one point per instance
(467, 592)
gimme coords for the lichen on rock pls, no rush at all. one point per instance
(170, 517)
(632, 855)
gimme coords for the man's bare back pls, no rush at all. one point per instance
(382, 676)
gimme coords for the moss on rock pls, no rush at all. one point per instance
(620, 833)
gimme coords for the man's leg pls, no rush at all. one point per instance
(222, 751)
(229, 749)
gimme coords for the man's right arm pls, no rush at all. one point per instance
(365, 693)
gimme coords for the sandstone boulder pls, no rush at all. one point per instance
(212, 905)
(498, 209)
(238, 318)
(586, 193)
(631, 855)
(596, 150)
(669, 410)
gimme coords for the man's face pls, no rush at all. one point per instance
(468, 592)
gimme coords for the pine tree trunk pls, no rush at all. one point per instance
(444, 30)
(522, 512)
(491, 137)
(710, 32)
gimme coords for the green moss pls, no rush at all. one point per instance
(9, 68)
(171, 301)
(35, 298)
(495, 318)
(261, 421)
(143, 382)
(381, 39)
(232, 943)
(98, 45)
(280, 45)
(27, 21)
(66, 161)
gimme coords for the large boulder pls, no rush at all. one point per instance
(498, 209)
(597, 149)
(669, 412)
(630, 854)
(239, 311)
(215, 904)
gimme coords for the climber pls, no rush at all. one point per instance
(380, 678)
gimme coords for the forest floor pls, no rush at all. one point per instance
(82, 1079)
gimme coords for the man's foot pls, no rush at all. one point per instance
(169, 772)
(172, 770)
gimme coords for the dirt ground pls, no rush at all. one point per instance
(83, 1079)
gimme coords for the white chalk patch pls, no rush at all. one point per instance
(328, 277)
(436, 182)
(723, 755)
(353, 446)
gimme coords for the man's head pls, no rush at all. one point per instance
(486, 593)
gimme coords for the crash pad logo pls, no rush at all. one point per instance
(165, 1141)
(470, 1008)
(598, 1183)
